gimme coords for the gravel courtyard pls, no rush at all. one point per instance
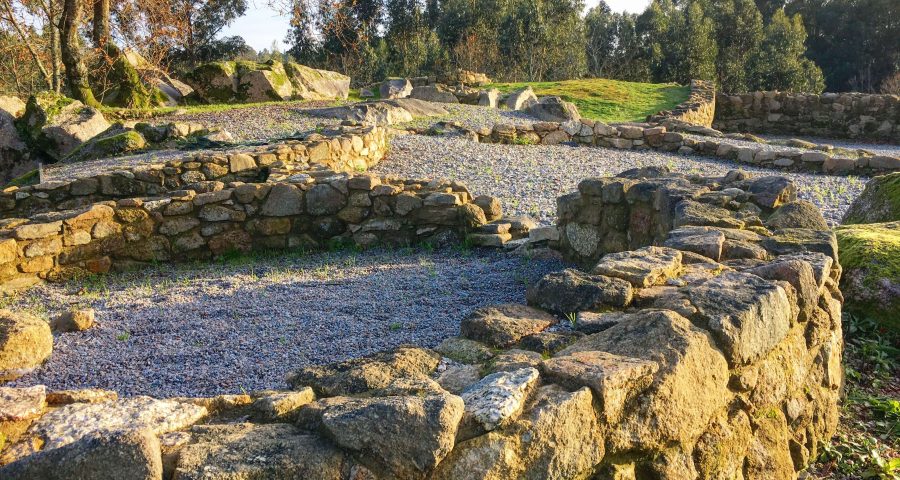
(529, 178)
(214, 328)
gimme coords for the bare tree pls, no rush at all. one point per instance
(9, 15)
(101, 23)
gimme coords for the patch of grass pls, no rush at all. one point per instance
(867, 444)
(30, 178)
(609, 100)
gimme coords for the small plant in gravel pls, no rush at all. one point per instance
(395, 326)
(124, 336)
(573, 318)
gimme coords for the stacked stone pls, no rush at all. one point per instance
(841, 115)
(348, 149)
(698, 109)
(714, 355)
(643, 137)
(308, 212)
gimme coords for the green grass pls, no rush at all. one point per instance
(609, 100)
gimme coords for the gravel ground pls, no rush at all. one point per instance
(474, 117)
(747, 143)
(258, 122)
(528, 179)
(213, 328)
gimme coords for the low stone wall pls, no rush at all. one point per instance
(637, 137)
(698, 109)
(717, 355)
(347, 149)
(838, 115)
(304, 213)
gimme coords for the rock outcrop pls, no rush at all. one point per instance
(25, 342)
(57, 125)
(878, 203)
(242, 82)
(554, 109)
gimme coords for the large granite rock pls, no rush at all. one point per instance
(25, 342)
(557, 438)
(122, 454)
(57, 125)
(688, 388)
(521, 99)
(870, 257)
(572, 291)
(365, 374)
(403, 436)
(504, 325)
(314, 84)
(433, 93)
(395, 88)
(878, 203)
(554, 109)
(383, 112)
(246, 451)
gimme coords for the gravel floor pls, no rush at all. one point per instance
(258, 122)
(528, 179)
(212, 328)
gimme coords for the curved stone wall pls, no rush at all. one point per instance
(698, 109)
(634, 137)
(303, 213)
(715, 353)
(838, 115)
(348, 149)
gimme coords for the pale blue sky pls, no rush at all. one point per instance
(262, 25)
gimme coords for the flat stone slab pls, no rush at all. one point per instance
(18, 404)
(643, 268)
(247, 451)
(504, 325)
(615, 379)
(571, 291)
(747, 315)
(499, 398)
(72, 422)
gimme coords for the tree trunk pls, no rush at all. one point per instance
(76, 72)
(53, 25)
(101, 23)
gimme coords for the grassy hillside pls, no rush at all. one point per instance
(609, 100)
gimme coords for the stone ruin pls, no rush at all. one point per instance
(700, 337)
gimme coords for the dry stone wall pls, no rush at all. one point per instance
(839, 115)
(304, 212)
(698, 109)
(348, 149)
(657, 137)
(708, 346)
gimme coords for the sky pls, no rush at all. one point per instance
(261, 25)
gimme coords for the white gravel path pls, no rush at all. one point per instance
(529, 178)
(212, 328)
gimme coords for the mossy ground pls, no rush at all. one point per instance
(874, 246)
(609, 100)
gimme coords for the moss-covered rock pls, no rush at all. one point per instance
(128, 89)
(113, 143)
(56, 125)
(214, 82)
(263, 82)
(870, 256)
(879, 202)
(313, 84)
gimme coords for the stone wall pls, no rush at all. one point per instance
(637, 137)
(838, 115)
(698, 109)
(302, 213)
(717, 355)
(347, 149)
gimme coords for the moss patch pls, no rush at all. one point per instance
(30, 178)
(879, 202)
(608, 100)
(108, 146)
(870, 255)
